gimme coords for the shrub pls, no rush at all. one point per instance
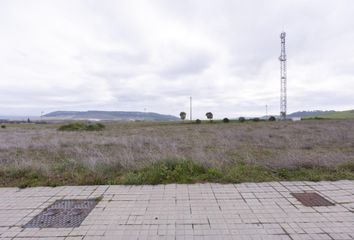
(226, 120)
(255, 119)
(198, 121)
(271, 118)
(76, 126)
(241, 119)
(3, 126)
(95, 127)
(79, 126)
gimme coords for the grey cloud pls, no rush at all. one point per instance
(189, 65)
(115, 65)
(131, 55)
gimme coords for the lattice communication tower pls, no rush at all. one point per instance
(283, 79)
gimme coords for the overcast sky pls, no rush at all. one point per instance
(153, 55)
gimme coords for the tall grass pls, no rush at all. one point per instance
(163, 172)
(130, 147)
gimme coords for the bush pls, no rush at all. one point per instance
(241, 119)
(95, 127)
(226, 120)
(76, 126)
(3, 126)
(255, 119)
(79, 126)
(271, 118)
(198, 121)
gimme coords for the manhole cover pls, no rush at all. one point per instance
(63, 214)
(312, 199)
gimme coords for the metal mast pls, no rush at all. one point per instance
(190, 108)
(282, 60)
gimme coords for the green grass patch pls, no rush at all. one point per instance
(170, 171)
(79, 126)
(347, 167)
(22, 178)
(315, 174)
(71, 172)
(242, 172)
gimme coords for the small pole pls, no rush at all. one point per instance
(266, 111)
(190, 108)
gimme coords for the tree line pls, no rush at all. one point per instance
(210, 116)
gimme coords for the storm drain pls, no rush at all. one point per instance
(312, 199)
(63, 214)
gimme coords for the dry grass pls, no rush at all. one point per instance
(135, 153)
(135, 145)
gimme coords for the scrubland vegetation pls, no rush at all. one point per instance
(79, 126)
(182, 152)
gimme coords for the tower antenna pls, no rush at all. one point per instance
(283, 79)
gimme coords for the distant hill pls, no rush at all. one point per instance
(110, 115)
(309, 113)
(330, 114)
(323, 114)
(349, 114)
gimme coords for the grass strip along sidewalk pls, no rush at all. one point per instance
(168, 171)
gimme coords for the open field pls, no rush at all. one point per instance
(149, 152)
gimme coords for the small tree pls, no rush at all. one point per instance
(271, 118)
(226, 120)
(209, 115)
(183, 115)
(242, 119)
(198, 121)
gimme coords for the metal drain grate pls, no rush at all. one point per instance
(312, 199)
(63, 214)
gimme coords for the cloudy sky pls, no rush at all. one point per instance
(153, 55)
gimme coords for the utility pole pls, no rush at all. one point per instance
(266, 106)
(190, 108)
(283, 78)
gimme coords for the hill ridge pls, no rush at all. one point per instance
(110, 115)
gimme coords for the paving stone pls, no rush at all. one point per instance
(198, 211)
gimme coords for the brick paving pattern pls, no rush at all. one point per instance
(199, 211)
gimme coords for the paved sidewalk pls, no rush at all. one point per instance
(198, 211)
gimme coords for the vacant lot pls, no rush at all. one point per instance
(40, 152)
